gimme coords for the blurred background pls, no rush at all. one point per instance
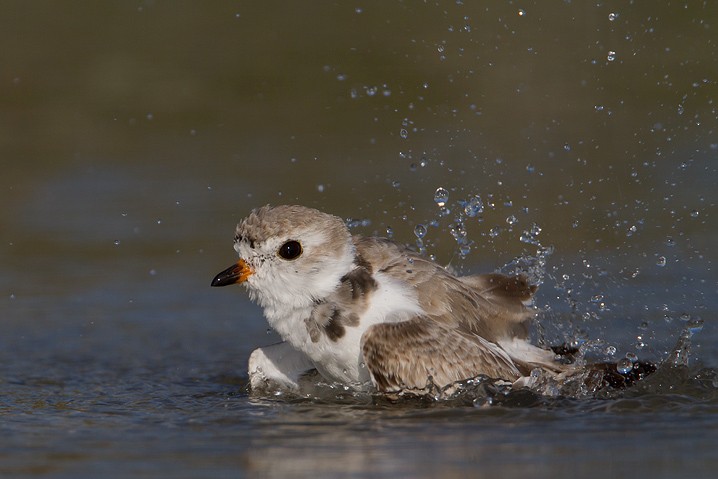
(575, 140)
(134, 135)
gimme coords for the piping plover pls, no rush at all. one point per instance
(368, 313)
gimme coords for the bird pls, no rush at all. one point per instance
(371, 314)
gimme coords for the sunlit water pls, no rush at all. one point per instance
(140, 370)
(574, 142)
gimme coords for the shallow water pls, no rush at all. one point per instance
(134, 136)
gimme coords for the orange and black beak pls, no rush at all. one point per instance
(237, 273)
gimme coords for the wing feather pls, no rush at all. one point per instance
(413, 354)
(490, 305)
(471, 325)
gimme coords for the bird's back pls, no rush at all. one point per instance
(470, 325)
(490, 305)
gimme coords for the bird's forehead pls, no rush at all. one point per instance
(263, 232)
(283, 222)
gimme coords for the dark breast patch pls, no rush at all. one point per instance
(343, 308)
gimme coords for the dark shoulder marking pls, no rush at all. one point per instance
(360, 282)
(363, 263)
(334, 328)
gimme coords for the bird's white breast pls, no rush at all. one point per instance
(341, 360)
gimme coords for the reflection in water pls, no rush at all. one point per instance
(511, 439)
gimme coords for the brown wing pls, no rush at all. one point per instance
(502, 301)
(416, 353)
(490, 305)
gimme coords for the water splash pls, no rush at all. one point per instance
(420, 232)
(679, 355)
(357, 223)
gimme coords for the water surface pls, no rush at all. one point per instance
(133, 136)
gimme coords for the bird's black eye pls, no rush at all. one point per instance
(290, 250)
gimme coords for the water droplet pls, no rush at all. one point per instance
(403, 133)
(694, 326)
(458, 231)
(530, 168)
(441, 196)
(420, 231)
(611, 56)
(355, 223)
(661, 261)
(694, 214)
(320, 188)
(474, 206)
(624, 366)
(389, 232)
(526, 238)
(117, 242)
(611, 350)
(612, 16)
(494, 232)
(512, 220)
(522, 12)
(395, 184)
